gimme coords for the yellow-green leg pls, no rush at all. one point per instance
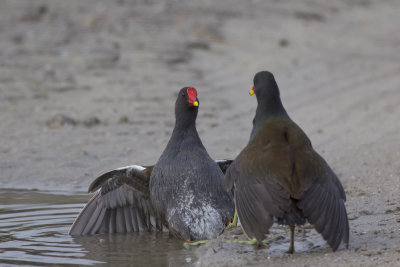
(255, 242)
(291, 246)
(247, 242)
(189, 244)
(234, 222)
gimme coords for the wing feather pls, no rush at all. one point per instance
(253, 216)
(127, 216)
(121, 204)
(278, 173)
(327, 213)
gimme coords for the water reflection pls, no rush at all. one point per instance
(34, 230)
(143, 249)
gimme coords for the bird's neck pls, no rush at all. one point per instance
(184, 132)
(180, 131)
(270, 107)
(266, 109)
(185, 121)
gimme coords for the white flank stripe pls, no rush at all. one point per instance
(136, 167)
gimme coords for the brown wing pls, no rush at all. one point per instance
(322, 202)
(259, 192)
(121, 204)
(279, 164)
(319, 192)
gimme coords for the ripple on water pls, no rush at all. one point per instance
(34, 229)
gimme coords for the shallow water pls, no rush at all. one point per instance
(34, 229)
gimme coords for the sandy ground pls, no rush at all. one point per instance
(87, 86)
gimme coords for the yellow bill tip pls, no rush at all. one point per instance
(251, 92)
(196, 103)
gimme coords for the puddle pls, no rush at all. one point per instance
(34, 229)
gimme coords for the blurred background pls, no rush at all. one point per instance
(88, 86)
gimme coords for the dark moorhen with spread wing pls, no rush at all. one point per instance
(279, 177)
(183, 192)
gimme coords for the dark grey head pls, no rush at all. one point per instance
(268, 99)
(186, 106)
(265, 87)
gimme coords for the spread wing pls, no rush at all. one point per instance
(322, 203)
(279, 173)
(258, 193)
(121, 204)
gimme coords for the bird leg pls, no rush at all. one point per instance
(255, 242)
(291, 246)
(189, 244)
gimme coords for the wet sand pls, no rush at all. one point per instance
(88, 86)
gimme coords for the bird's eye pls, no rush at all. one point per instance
(183, 94)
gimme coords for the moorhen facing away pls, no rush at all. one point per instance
(183, 192)
(278, 175)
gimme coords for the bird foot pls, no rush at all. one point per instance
(290, 251)
(252, 242)
(190, 244)
(291, 248)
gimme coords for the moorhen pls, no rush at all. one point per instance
(183, 191)
(279, 177)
